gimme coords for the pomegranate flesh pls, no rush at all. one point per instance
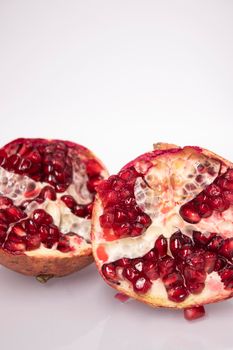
(163, 229)
(47, 188)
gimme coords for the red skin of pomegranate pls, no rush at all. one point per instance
(45, 223)
(161, 234)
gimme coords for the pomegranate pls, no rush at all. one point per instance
(162, 229)
(47, 188)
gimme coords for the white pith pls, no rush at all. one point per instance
(21, 188)
(160, 196)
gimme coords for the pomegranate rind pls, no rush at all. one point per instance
(53, 262)
(214, 290)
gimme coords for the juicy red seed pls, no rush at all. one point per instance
(228, 196)
(226, 274)
(142, 284)
(177, 293)
(64, 244)
(109, 271)
(196, 288)
(136, 229)
(151, 255)
(14, 247)
(93, 183)
(166, 266)
(2, 156)
(194, 313)
(210, 261)
(5, 202)
(215, 244)
(213, 190)
(110, 198)
(161, 246)
(204, 210)
(173, 278)
(30, 226)
(69, 201)
(3, 216)
(130, 273)
(220, 263)
(189, 213)
(14, 214)
(13, 237)
(196, 261)
(138, 264)
(61, 187)
(177, 241)
(24, 166)
(121, 230)
(93, 167)
(227, 185)
(32, 242)
(201, 239)
(219, 204)
(123, 262)
(194, 276)
(80, 210)
(41, 217)
(150, 269)
(184, 252)
(201, 198)
(44, 233)
(227, 248)
(48, 193)
(144, 219)
(128, 174)
(120, 216)
(13, 162)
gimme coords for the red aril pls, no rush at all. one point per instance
(46, 206)
(174, 230)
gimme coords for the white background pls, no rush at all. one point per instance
(115, 76)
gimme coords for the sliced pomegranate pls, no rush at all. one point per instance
(163, 229)
(46, 206)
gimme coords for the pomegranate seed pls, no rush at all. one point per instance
(2, 157)
(93, 167)
(226, 274)
(32, 242)
(137, 229)
(142, 285)
(14, 214)
(48, 193)
(173, 278)
(14, 247)
(189, 213)
(5, 202)
(12, 162)
(220, 263)
(219, 204)
(228, 196)
(151, 255)
(122, 230)
(64, 244)
(109, 271)
(166, 266)
(150, 269)
(213, 190)
(3, 216)
(215, 244)
(130, 273)
(196, 261)
(194, 276)
(177, 241)
(80, 210)
(194, 313)
(30, 226)
(210, 261)
(120, 216)
(201, 239)
(144, 220)
(161, 246)
(41, 217)
(184, 252)
(227, 248)
(69, 201)
(195, 288)
(204, 210)
(123, 262)
(177, 293)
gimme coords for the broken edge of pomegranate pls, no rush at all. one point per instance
(47, 189)
(162, 228)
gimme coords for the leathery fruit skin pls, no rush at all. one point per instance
(162, 229)
(47, 189)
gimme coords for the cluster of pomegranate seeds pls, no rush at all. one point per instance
(83, 211)
(182, 273)
(216, 197)
(19, 233)
(121, 212)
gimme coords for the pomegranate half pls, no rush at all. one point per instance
(162, 229)
(47, 188)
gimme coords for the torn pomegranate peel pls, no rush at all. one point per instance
(162, 229)
(47, 188)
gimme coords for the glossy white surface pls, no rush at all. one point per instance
(115, 76)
